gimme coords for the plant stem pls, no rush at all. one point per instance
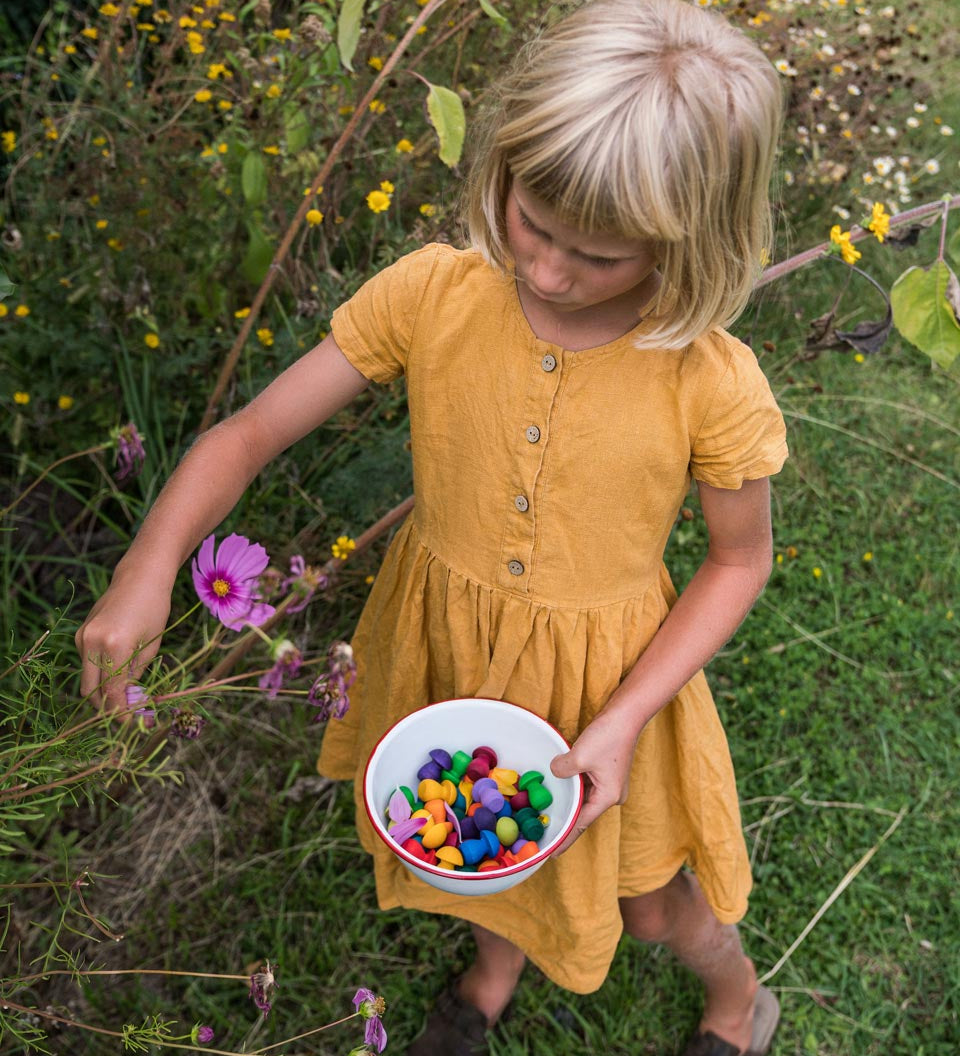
(297, 1037)
(124, 971)
(226, 371)
(943, 230)
(53, 465)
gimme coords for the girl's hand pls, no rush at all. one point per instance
(603, 754)
(120, 637)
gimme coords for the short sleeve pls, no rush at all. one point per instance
(375, 327)
(742, 435)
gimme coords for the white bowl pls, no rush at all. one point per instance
(520, 739)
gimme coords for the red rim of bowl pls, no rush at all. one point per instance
(487, 874)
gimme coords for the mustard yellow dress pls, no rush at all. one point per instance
(547, 482)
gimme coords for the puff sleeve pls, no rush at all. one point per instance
(374, 329)
(742, 435)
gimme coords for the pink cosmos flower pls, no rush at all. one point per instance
(137, 698)
(228, 583)
(287, 661)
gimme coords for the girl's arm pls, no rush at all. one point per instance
(706, 614)
(122, 633)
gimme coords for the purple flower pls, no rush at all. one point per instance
(328, 694)
(228, 583)
(262, 985)
(201, 1035)
(304, 580)
(137, 695)
(287, 660)
(186, 724)
(130, 453)
(371, 1008)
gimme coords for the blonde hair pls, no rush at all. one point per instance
(650, 119)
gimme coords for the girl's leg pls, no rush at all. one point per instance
(679, 917)
(489, 982)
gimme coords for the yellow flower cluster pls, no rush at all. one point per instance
(343, 547)
(8, 140)
(879, 221)
(265, 336)
(378, 201)
(314, 217)
(842, 239)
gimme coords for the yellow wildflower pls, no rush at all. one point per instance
(97, 141)
(879, 221)
(343, 547)
(195, 43)
(65, 403)
(378, 107)
(90, 32)
(225, 16)
(151, 340)
(225, 104)
(847, 250)
(404, 146)
(109, 10)
(52, 133)
(378, 201)
(427, 209)
(282, 34)
(3, 310)
(216, 70)
(817, 572)
(265, 336)
(387, 187)
(21, 310)
(241, 313)
(203, 96)
(274, 91)
(23, 398)
(271, 149)
(101, 224)
(9, 141)
(314, 217)
(222, 148)
(376, 62)
(186, 22)
(868, 556)
(70, 49)
(115, 244)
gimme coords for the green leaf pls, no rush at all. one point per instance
(348, 30)
(296, 129)
(6, 286)
(253, 179)
(446, 115)
(491, 12)
(258, 256)
(926, 303)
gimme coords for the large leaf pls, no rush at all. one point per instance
(253, 179)
(348, 30)
(926, 304)
(6, 286)
(296, 129)
(447, 117)
(258, 256)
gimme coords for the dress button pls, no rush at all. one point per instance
(548, 362)
(533, 434)
(521, 503)
(515, 568)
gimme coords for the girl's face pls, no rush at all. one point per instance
(567, 270)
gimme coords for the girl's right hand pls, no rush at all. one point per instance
(120, 637)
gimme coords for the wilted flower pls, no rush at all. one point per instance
(228, 584)
(186, 724)
(304, 580)
(328, 694)
(371, 1008)
(287, 661)
(130, 453)
(137, 698)
(262, 985)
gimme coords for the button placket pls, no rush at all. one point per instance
(520, 527)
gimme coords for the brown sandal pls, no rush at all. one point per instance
(454, 1028)
(766, 1016)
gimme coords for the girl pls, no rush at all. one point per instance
(566, 378)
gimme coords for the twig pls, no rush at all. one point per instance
(53, 465)
(229, 364)
(834, 895)
(799, 260)
(28, 655)
(123, 971)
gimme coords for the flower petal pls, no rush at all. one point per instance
(363, 994)
(374, 1034)
(243, 559)
(205, 559)
(398, 808)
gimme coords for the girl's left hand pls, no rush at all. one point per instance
(603, 754)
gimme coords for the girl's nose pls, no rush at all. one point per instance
(549, 271)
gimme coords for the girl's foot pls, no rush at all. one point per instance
(728, 1007)
(765, 1015)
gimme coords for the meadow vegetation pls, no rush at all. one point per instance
(187, 193)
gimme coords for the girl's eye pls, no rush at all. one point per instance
(603, 262)
(526, 222)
